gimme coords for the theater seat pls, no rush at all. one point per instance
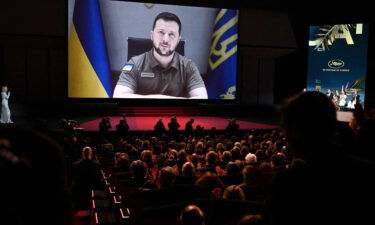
(104, 218)
(227, 211)
(168, 214)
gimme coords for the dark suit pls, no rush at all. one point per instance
(86, 177)
(189, 127)
(173, 127)
(335, 189)
(159, 128)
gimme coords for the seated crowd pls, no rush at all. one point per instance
(184, 169)
(312, 170)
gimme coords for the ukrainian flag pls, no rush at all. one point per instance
(222, 64)
(88, 66)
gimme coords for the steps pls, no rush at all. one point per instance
(158, 111)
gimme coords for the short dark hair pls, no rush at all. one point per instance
(211, 158)
(138, 169)
(311, 115)
(167, 177)
(167, 16)
(278, 160)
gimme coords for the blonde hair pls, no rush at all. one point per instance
(87, 152)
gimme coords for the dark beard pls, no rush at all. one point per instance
(170, 52)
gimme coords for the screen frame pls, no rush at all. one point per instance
(155, 101)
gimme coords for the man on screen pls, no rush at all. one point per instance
(161, 72)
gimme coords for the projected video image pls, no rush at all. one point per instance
(337, 62)
(120, 49)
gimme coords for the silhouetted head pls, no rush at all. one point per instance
(278, 160)
(249, 173)
(309, 121)
(227, 156)
(234, 192)
(167, 177)
(211, 158)
(232, 168)
(188, 169)
(138, 169)
(87, 153)
(192, 215)
(32, 173)
(255, 219)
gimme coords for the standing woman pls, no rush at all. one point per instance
(342, 102)
(5, 111)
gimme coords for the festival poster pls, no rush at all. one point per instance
(337, 61)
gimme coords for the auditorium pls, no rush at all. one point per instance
(199, 112)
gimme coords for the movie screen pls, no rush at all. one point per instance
(135, 50)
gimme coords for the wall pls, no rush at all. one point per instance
(33, 51)
(265, 36)
(32, 40)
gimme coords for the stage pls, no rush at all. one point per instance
(147, 123)
(144, 118)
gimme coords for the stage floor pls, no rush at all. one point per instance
(148, 122)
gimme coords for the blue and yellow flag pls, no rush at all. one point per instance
(89, 73)
(222, 64)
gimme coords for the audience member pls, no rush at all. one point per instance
(254, 184)
(122, 163)
(309, 121)
(211, 183)
(140, 174)
(251, 159)
(122, 128)
(159, 128)
(255, 219)
(233, 192)
(173, 126)
(188, 169)
(34, 186)
(194, 158)
(181, 159)
(364, 125)
(233, 169)
(192, 215)
(232, 127)
(199, 131)
(211, 159)
(86, 177)
(104, 126)
(189, 127)
(278, 161)
(226, 158)
(167, 177)
(146, 156)
(311, 162)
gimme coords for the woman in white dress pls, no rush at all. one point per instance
(5, 111)
(342, 102)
